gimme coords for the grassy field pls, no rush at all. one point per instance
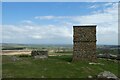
(54, 67)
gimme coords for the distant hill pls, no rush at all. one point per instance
(108, 46)
(33, 46)
(23, 46)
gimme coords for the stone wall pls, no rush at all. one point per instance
(84, 43)
(39, 54)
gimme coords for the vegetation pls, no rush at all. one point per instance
(24, 55)
(110, 51)
(54, 67)
(13, 48)
(57, 66)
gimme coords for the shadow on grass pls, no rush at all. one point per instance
(66, 58)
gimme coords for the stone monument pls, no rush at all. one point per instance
(84, 39)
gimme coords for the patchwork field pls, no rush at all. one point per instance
(28, 52)
(15, 52)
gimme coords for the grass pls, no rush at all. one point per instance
(54, 67)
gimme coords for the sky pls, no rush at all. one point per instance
(52, 22)
(60, 0)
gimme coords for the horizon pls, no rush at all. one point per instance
(51, 44)
(52, 22)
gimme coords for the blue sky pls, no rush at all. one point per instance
(60, 0)
(27, 10)
(52, 22)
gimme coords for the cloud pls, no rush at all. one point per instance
(36, 32)
(51, 17)
(106, 21)
(108, 15)
(44, 17)
(108, 4)
(27, 22)
(93, 6)
(62, 32)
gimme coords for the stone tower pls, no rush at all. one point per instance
(84, 43)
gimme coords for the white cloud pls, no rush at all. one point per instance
(44, 17)
(108, 15)
(108, 4)
(51, 17)
(36, 37)
(106, 21)
(36, 32)
(107, 24)
(93, 6)
(27, 22)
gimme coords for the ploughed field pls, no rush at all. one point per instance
(28, 52)
(53, 67)
(15, 52)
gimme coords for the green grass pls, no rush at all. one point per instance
(53, 67)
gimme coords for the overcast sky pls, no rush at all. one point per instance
(52, 23)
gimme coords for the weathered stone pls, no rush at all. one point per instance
(90, 76)
(95, 63)
(108, 75)
(39, 54)
(84, 43)
(107, 56)
(14, 58)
